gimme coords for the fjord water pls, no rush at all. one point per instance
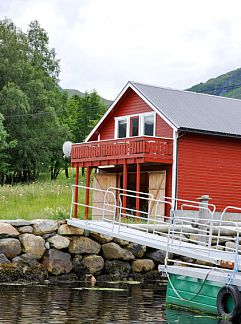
(63, 303)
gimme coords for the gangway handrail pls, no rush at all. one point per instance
(93, 207)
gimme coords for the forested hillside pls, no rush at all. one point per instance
(74, 92)
(36, 116)
(226, 85)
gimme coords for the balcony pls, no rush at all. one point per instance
(142, 149)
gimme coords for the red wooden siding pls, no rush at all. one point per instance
(210, 165)
(130, 104)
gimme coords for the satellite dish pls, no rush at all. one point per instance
(67, 148)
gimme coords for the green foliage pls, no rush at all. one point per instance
(83, 114)
(38, 116)
(31, 102)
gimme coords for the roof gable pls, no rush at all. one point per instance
(129, 85)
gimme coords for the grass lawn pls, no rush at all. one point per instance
(44, 199)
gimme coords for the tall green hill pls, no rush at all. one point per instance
(226, 85)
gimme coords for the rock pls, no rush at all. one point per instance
(17, 222)
(93, 264)
(137, 249)
(76, 262)
(59, 242)
(66, 229)
(25, 259)
(86, 233)
(33, 244)
(45, 227)
(4, 259)
(82, 244)
(158, 256)
(46, 236)
(47, 245)
(25, 229)
(121, 242)
(114, 251)
(11, 247)
(229, 246)
(117, 268)
(57, 262)
(142, 265)
(101, 238)
(7, 230)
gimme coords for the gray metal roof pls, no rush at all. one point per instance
(194, 111)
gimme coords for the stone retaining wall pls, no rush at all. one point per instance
(49, 249)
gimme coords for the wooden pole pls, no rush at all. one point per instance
(76, 193)
(87, 192)
(138, 188)
(124, 187)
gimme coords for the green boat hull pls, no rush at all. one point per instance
(197, 294)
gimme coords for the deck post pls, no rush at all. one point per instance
(203, 219)
(76, 193)
(87, 192)
(138, 188)
(124, 203)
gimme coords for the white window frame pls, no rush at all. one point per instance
(141, 124)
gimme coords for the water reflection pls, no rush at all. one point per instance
(63, 304)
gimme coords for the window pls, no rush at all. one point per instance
(148, 125)
(122, 128)
(135, 125)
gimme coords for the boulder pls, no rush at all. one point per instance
(44, 227)
(93, 264)
(143, 265)
(121, 242)
(157, 256)
(101, 238)
(82, 244)
(66, 229)
(4, 259)
(33, 244)
(230, 245)
(57, 262)
(58, 242)
(10, 247)
(114, 251)
(25, 229)
(7, 230)
(137, 249)
(26, 259)
(117, 268)
(17, 222)
(77, 262)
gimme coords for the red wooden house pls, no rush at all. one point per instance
(166, 142)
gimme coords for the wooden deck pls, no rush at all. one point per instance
(138, 149)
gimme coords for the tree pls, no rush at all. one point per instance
(31, 102)
(86, 112)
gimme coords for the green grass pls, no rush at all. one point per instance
(44, 199)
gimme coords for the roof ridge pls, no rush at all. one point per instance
(186, 91)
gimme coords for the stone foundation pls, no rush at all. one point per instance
(52, 250)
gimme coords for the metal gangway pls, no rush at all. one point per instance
(209, 240)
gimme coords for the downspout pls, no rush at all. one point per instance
(174, 170)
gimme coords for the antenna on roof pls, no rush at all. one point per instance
(67, 148)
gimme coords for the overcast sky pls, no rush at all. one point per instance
(104, 43)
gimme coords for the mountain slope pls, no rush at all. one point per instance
(226, 85)
(73, 92)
